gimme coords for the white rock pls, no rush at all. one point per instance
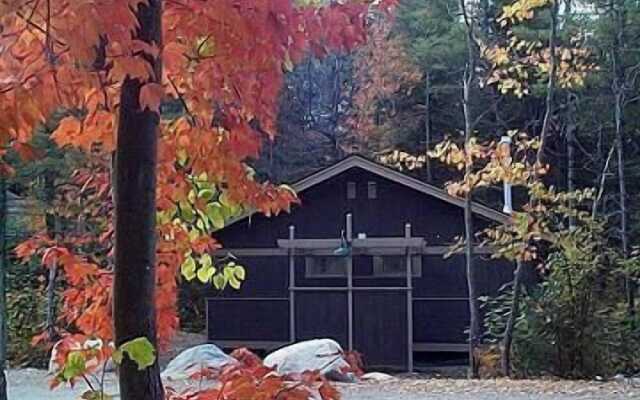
(194, 360)
(323, 355)
(619, 378)
(377, 377)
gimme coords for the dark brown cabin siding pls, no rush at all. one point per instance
(440, 310)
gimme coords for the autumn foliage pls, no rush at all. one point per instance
(223, 64)
(251, 379)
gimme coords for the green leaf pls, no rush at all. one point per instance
(191, 196)
(200, 224)
(186, 212)
(139, 350)
(96, 395)
(214, 212)
(205, 260)
(219, 281)
(240, 272)
(234, 283)
(188, 268)
(205, 273)
(206, 194)
(74, 366)
(231, 277)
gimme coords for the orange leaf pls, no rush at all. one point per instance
(67, 131)
(26, 151)
(151, 96)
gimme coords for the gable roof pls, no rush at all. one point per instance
(358, 161)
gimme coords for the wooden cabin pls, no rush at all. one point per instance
(360, 260)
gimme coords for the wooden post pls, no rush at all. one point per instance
(407, 234)
(350, 282)
(292, 285)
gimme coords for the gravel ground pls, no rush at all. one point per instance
(490, 389)
(30, 384)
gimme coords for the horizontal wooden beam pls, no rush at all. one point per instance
(247, 299)
(381, 242)
(251, 344)
(345, 288)
(273, 344)
(328, 251)
(251, 252)
(440, 299)
(440, 347)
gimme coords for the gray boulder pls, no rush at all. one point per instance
(194, 360)
(323, 355)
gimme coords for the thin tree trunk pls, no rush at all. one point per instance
(427, 124)
(51, 304)
(622, 188)
(53, 229)
(551, 83)
(135, 213)
(3, 295)
(571, 137)
(474, 305)
(507, 339)
(619, 87)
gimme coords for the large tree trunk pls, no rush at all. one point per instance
(3, 272)
(135, 228)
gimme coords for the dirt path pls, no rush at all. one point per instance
(30, 384)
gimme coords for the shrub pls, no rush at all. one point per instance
(575, 323)
(26, 305)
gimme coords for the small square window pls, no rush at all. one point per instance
(325, 267)
(351, 190)
(396, 266)
(372, 190)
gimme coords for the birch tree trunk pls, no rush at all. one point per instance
(427, 124)
(135, 224)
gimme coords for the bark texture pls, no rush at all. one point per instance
(507, 339)
(135, 228)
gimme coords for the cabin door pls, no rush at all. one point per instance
(380, 328)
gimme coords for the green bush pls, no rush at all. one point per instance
(574, 324)
(26, 307)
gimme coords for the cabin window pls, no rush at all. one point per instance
(351, 190)
(372, 190)
(326, 267)
(396, 266)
